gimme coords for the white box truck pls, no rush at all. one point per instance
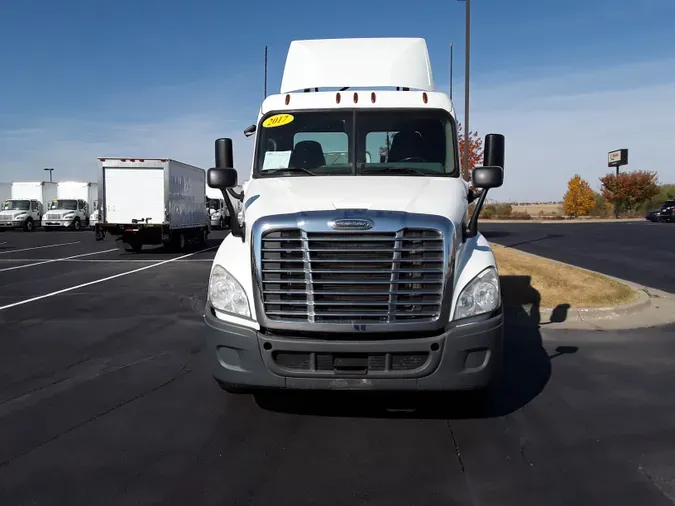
(152, 201)
(356, 274)
(5, 191)
(25, 207)
(72, 206)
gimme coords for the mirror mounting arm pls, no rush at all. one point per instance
(471, 229)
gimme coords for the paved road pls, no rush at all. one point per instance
(641, 252)
(104, 399)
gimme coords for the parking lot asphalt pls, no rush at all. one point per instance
(105, 399)
(640, 251)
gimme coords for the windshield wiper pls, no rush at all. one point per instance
(407, 170)
(288, 169)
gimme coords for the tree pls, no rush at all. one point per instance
(579, 199)
(475, 150)
(630, 189)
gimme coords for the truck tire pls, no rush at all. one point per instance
(204, 237)
(181, 241)
(28, 225)
(76, 224)
(135, 246)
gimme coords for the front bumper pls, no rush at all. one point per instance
(12, 223)
(462, 358)
(57, 223)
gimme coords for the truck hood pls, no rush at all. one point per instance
(11, 213)
(441, 196)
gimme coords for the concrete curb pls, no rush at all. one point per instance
(562, 222)
(651, 308)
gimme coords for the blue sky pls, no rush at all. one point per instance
(565, 81)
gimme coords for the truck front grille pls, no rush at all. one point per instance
(352, 277)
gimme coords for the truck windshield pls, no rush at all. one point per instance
(16, 205)
(408, 142)
(69, 205)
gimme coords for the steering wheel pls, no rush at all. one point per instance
(412, 159)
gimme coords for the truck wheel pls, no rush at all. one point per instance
(76, 224)
(28, 225)
(204, 238)
(182, 242)
(136, 247)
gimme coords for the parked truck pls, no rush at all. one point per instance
(215, 206)
(72, 206)
(152, 201)
(5, 191)
(358, 274)
(25, 207)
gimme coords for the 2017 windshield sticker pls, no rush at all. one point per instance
(278, 120)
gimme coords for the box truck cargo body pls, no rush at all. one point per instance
(152, 201)
(25, 206)
(5, 191)
(72, 206)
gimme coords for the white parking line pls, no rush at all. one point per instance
(55, 260)
(96, 281)
(100, 260)
(39, 247)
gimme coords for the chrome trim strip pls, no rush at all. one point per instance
(383, 221)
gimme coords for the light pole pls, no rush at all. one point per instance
(467, 64)
(50, 173)
(451, 67)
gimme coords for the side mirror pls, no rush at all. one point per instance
(493, 151)
(224, 177)
(487, 177)
(491, 175)
(221, 178)
(250, 130)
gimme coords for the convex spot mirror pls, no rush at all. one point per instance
(222, 178)
(487, 177)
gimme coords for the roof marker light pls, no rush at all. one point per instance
(356, 97)
(372, 97)
(337, 97)
(425, 98)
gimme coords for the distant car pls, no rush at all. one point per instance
(666, 213)
(653, 216)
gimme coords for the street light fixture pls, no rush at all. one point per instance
(50, 173)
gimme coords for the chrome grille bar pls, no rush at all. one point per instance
(363, 277)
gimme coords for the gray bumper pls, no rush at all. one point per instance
(462, 358)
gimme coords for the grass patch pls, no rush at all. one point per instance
(532, 280)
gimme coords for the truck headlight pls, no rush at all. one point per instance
(480, 296)
(226, 294)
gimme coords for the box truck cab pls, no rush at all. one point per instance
(72, 206)
(215, 206)
(25, 207)
(20, 213)
(366, 273)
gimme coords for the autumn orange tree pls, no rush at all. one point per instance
(475, 150)
(630, 189)
(579, 199)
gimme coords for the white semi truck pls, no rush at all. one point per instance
(361, 274)
(152, 201)
(25, 207)
(72, 207)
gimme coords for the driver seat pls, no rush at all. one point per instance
(407, 144)
(307, 155)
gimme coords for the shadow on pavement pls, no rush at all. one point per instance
(527, 369)
(529, 241)
(494, 234)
